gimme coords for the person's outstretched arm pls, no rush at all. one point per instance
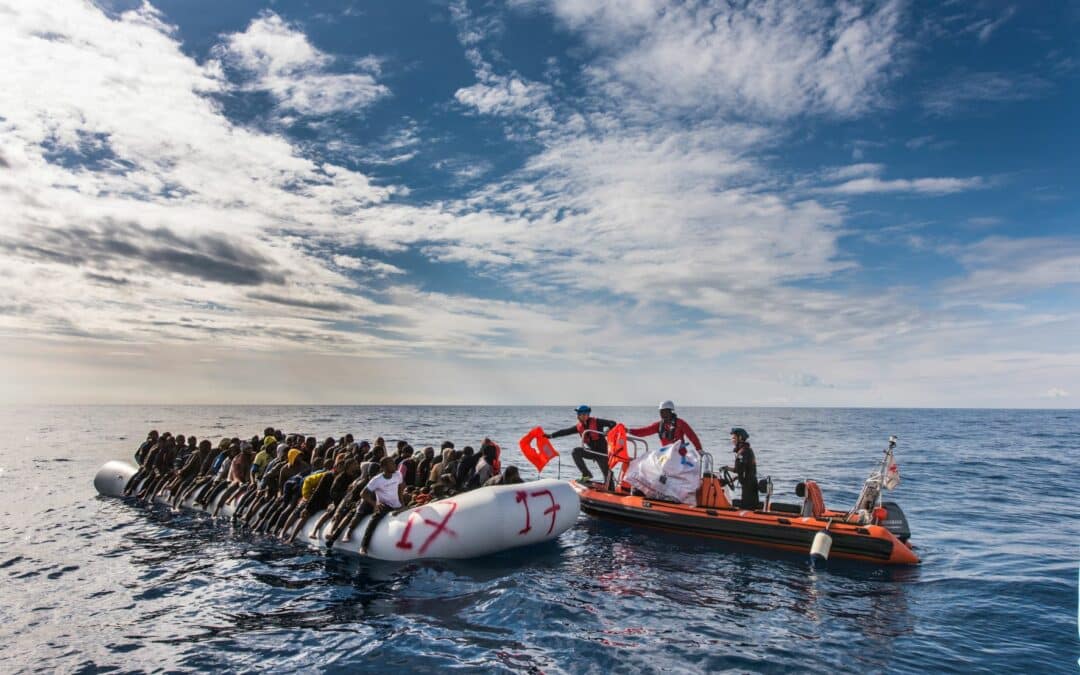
(645, 431)
(564, 432)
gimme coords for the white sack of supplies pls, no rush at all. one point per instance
(670, 472)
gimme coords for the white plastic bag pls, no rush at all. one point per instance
(670, 472)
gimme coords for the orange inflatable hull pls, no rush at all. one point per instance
(771, 529)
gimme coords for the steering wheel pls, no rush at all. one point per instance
(727, 478)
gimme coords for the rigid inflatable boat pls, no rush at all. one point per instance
(475, 523)
(877, 533)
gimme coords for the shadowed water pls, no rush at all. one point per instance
(96, 584)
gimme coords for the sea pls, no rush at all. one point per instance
(91, 584)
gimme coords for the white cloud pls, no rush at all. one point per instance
(371, 266)
(924, 186)
(1056, 392)
(280, 59)
(1004, 267)
(964, 88)
(773, 58)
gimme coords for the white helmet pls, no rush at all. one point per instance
(667, 405)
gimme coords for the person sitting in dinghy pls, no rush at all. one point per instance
(593, 441)
(670, 428)
(384, 494)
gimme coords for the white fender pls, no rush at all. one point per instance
(821, 546)
(475, 523)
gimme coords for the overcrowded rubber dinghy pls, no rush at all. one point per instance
(674, 489)
(476, 523)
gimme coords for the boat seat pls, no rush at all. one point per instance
(813, 501)
(710, 493)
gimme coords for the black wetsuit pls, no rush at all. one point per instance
(746, 472)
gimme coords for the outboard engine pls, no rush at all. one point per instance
(896, 522)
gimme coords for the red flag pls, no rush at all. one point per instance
(537, 449)
(616, 443)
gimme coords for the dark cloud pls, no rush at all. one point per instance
(127, 247)
(297, 302)
(106, 279)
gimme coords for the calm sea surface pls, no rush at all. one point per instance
(92, 584)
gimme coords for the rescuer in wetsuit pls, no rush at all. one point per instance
(745, 468)
(594, 445)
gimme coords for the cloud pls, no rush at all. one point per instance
(506, 95)
(771, 58)
(924, 186)
(1003, 267)
(853, 171)
(278, 58)
(129, 247)
(985, 28)
(370, 266)
(1055, 392)
(964, 88)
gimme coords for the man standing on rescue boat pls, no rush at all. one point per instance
(670, 428)
(745, 468)
(593, 432)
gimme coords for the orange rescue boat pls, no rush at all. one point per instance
(877, 533)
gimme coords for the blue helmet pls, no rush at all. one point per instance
(583, 409)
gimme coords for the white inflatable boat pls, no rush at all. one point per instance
(475, 523)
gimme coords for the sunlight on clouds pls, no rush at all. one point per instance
(280, 59)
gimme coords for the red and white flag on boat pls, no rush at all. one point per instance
(892, 474)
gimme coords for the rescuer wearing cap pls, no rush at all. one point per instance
(745, 468)
(593, 441)
(670, 428)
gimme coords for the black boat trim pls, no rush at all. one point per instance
(763, 533)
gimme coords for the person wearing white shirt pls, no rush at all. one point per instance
(384, 493)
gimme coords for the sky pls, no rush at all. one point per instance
(540, 202)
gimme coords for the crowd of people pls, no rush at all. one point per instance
(277, 481)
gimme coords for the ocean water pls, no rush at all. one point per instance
(90, 584)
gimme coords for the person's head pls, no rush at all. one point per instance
(268, 431)
(667, 410)
(349, 438)
(467, 451)
(282, 450)
(205, 445)
(447, 455)
(445, 445)
(180, 440)
(582, 412)
(429, 452)
(511, 475)
(738, 435)
(351, 467)
(310, 443)
(294, 456)
(456, 455)
(380, 442)
(378, 453)
(152, 436)
(489, 450)
(388, 466)
(192, 442)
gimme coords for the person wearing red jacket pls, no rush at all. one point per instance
(670, 428)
